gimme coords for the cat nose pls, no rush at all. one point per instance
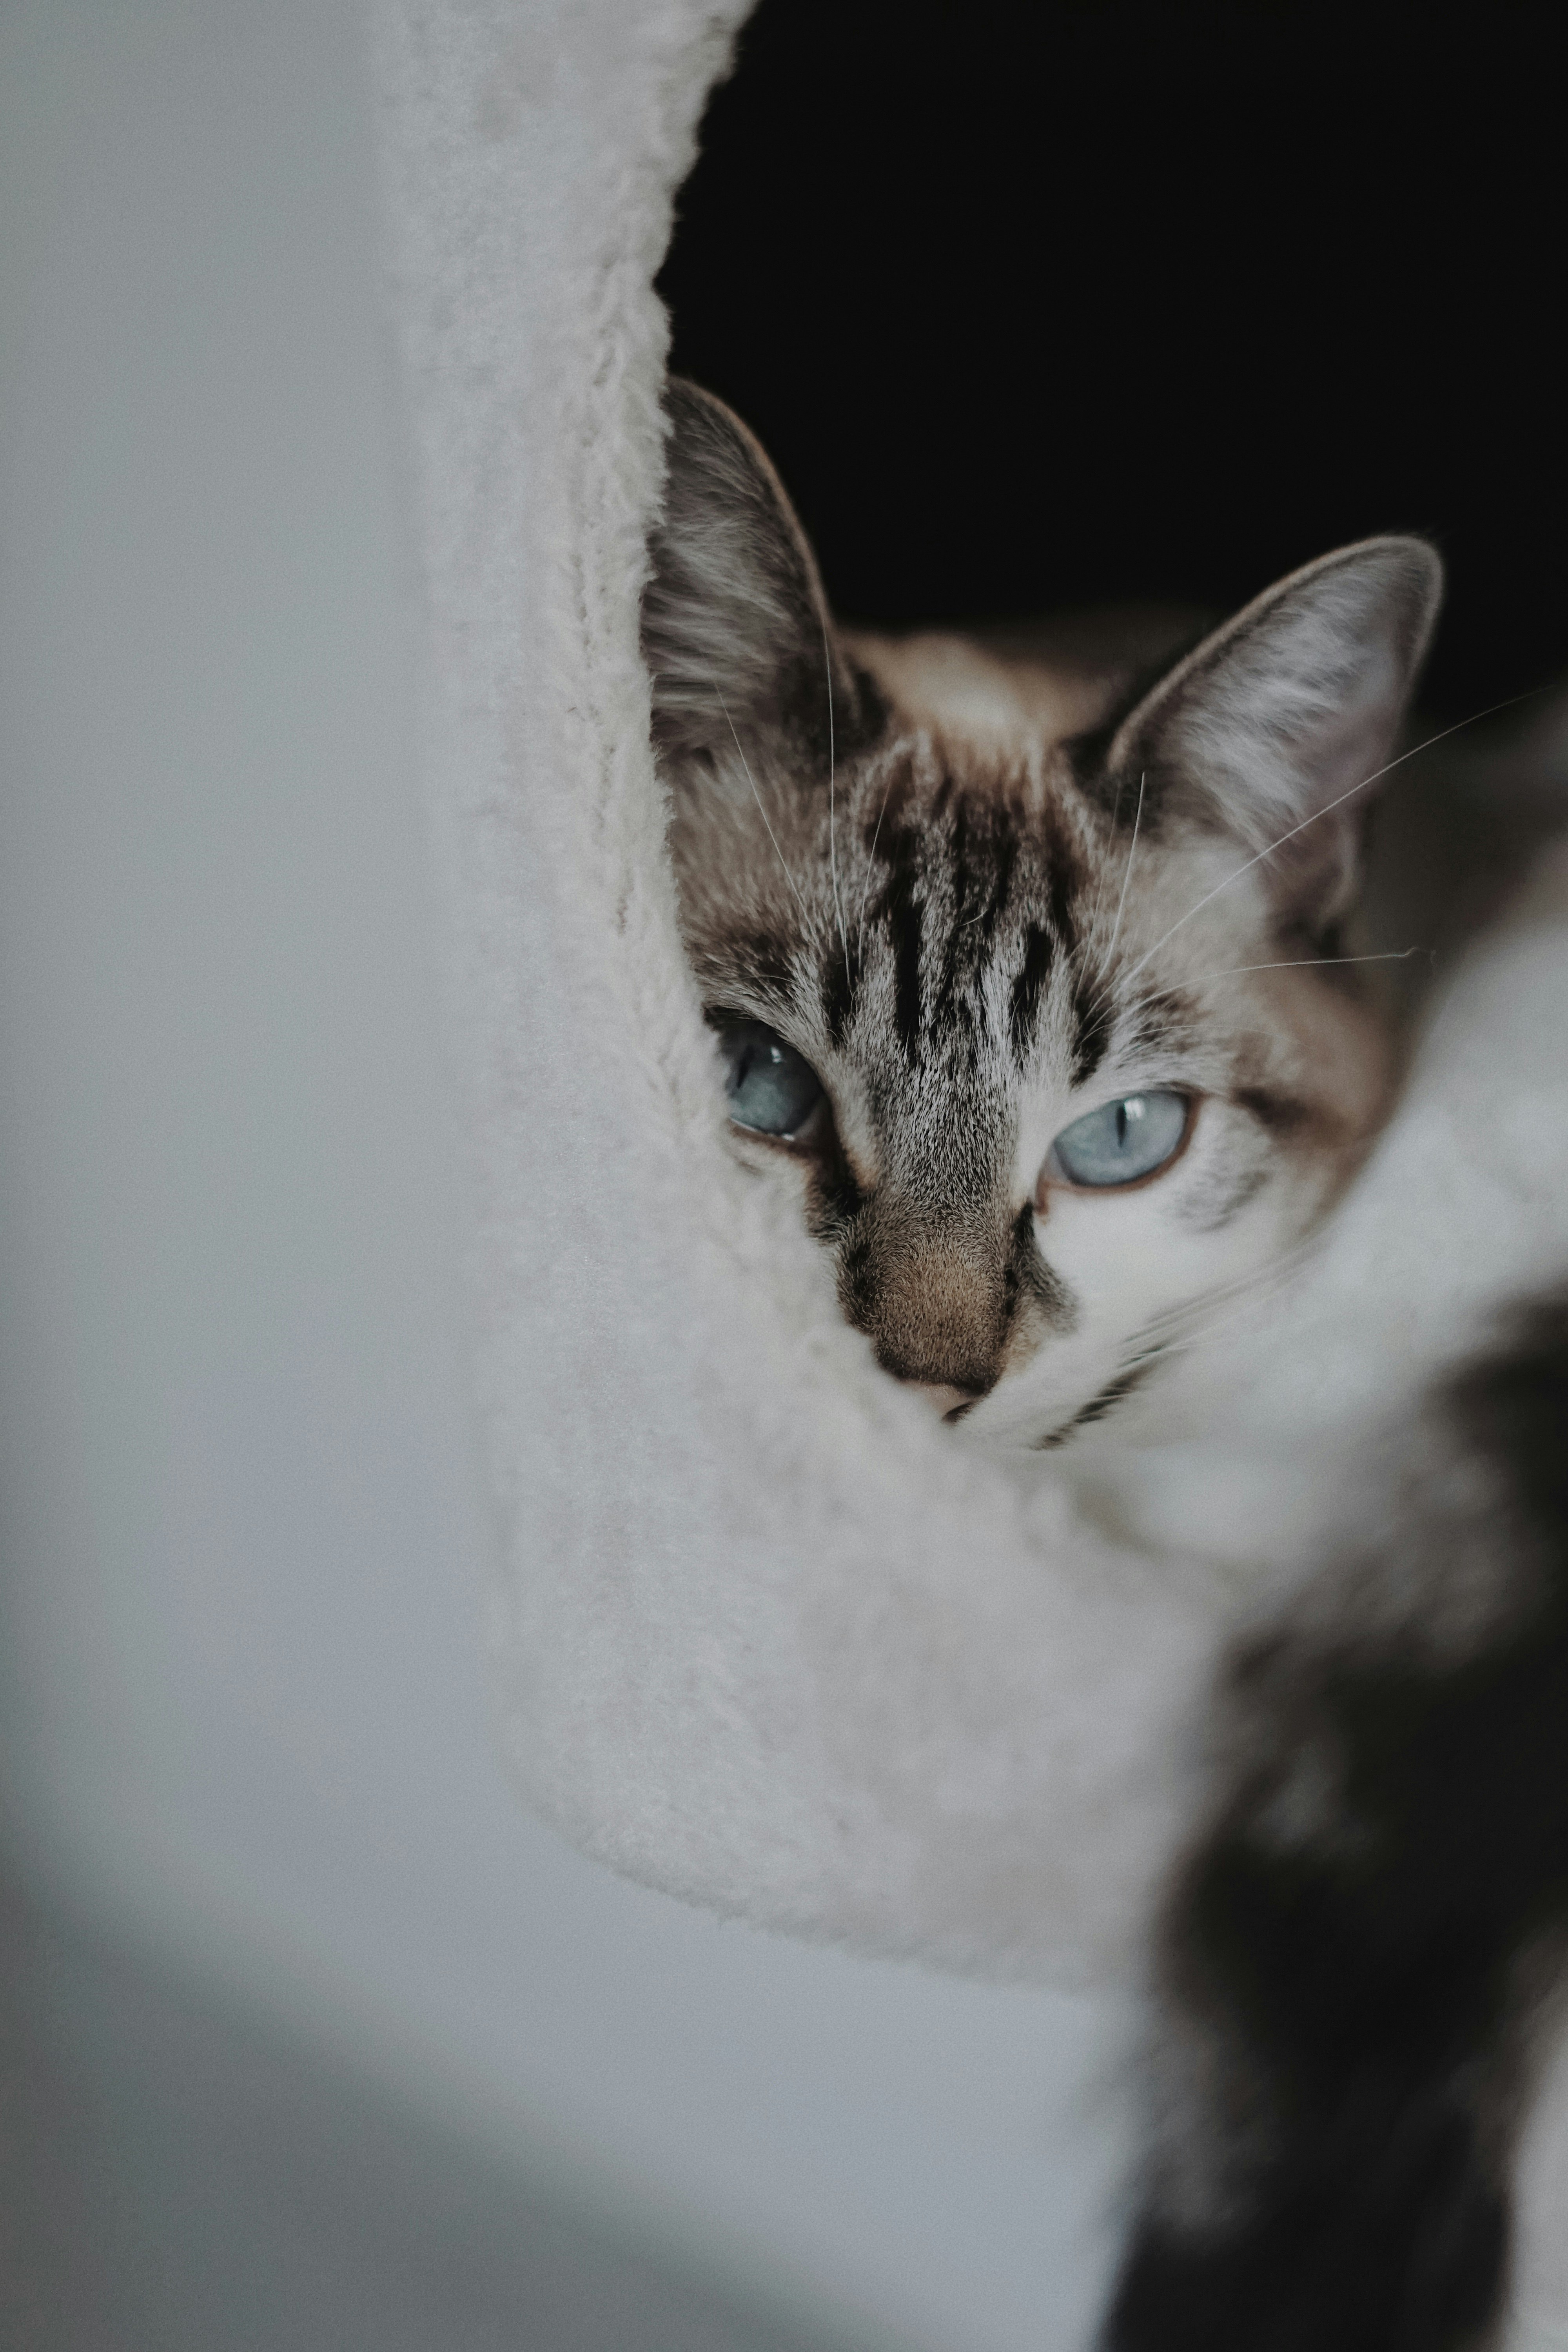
(951, 1403)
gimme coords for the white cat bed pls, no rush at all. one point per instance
(769, 1639)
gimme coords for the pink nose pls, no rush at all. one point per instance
(948, 1401)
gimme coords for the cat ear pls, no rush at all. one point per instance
(1268, 728)
(735, 628)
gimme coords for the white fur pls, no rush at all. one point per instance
(759, 1639)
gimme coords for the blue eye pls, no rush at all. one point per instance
(1122, 1140)
(772, 1089)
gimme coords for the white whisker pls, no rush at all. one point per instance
(1126, 876)
(1230, 1292)
(1327, 809)
(832, 836)
(778, 852)
(1183, 1328)
(1294, 963)
(870, 861)
(1186, 1343)
(1163, 1336)
(1099, 886)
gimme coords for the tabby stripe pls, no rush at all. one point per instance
(1091, 1025)
(1024, 1006)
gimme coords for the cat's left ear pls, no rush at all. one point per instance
(735, 627)
(1268, 730)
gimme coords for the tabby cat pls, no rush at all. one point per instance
(1032, 965)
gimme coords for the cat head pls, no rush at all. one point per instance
(1027, 979)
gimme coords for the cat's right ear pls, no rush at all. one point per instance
(735, 628)
(1276, 728)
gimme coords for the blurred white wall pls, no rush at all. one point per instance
(245, 1729)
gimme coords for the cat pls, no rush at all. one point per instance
(1035, 977)
(1033, 965)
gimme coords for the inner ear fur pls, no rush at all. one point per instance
(1268, 730)
(735, 628)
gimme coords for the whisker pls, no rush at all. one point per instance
(1126, 876)
(1294, 963)
(1099, 886)
(1208, 1315)
(1161, 1338)
(1327, 809)
(1232, 1292)
(870, 861)
(1104, 961)
(1187, 1327)
(832, 839)
(1284, 1261)
(1186, 1343)
(778, 852)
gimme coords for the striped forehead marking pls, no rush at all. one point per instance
(953, 884)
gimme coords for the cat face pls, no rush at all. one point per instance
(1024, 982)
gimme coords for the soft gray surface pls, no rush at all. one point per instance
(174, 2178)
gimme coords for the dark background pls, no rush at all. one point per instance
(1050, 305)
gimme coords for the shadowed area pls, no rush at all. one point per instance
(174, 2178)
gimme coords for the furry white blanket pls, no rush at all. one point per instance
(767, 1639)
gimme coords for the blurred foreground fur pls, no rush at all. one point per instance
(1359, 1954)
